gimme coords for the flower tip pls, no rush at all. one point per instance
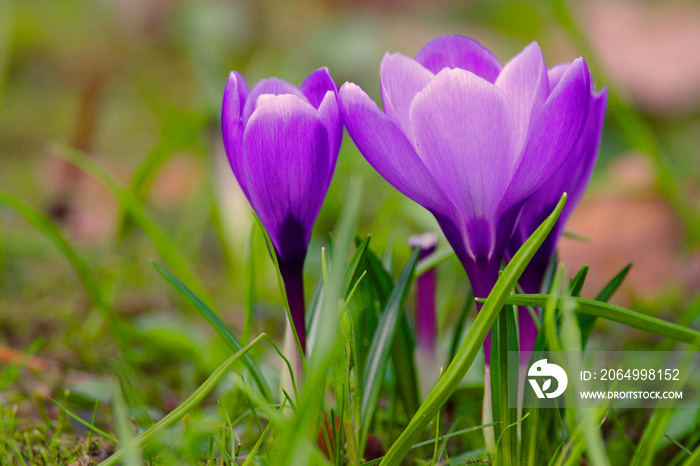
(349, 94)
(534, 44)
(580, 62)
(235, 79)
(425, 241)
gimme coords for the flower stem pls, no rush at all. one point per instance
(293, 276)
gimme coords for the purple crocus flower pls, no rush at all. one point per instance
(469, 139)
(426, 325)
(282, 144)
(572, 178)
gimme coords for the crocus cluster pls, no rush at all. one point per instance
(282, 143)
(487, 148)
(472, 140)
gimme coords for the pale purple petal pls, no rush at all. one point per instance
(401, 78)
(387, 149)
(572, 179)
(232, 126)
(525, 83)
(459, 52)
(316, 85)
(330, 115)
(463, 131)
(322, 92)
(580, 166)
(554, 134)
(556, 72)
(272, 86)
(285, 152)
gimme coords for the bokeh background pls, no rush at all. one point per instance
(137, 85)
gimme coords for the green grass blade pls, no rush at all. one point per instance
(438, 257)
(343, 354)
(586, 322)
(380, 349)
(187, 406)
(431, 441)
(313, 311)
(138, 212)
(294, 445)
(648, 445)
(459, 327)
(612, 286)
(403, 345)
(251, 456)
(345, 386)
(217, 324)
(249, 286)
(124, 429)
(620, 315)
(506, 340)
(576, 283)
(354, 269)
(472, 343)
(92, 428)
(693, 460)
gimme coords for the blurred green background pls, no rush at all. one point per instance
(137, 85)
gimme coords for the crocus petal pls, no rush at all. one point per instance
(273, 86)
(556, 72)
(330, 115)
(463, 131)
(231, 125)
(459, 52)
(401, 78)
(321, 91)
(588, 145)
(285, 150)
(554, 134)
(387, 149)
(316, 85)
(572, 178)
(579, 166)
(525, 83)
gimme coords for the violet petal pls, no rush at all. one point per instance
(463, 130)
(401, 78)
(525, 83)
(285, 149)
(554, 134)
(272, 86)
(459, 52)
(232, 125)
(388, 150)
